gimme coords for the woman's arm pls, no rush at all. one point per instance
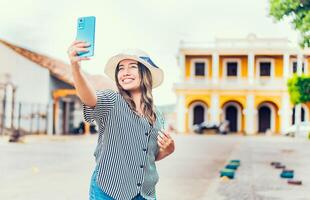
(84, 89)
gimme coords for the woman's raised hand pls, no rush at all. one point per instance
(75, 47)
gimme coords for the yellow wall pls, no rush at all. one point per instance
(224, 98)
(186, 122)
(244, 64)
(273, 99)
(308, 106)
(278, 66)
(189, 99)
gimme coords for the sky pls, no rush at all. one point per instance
(155, 26)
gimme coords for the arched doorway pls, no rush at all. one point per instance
(197, 113)
(232, 117)
(233, 114)
(264, 119)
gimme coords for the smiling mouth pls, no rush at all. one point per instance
(128, 80)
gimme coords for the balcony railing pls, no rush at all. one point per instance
(233, 84)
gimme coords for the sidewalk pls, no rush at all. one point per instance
(59, 167)
(257, 179)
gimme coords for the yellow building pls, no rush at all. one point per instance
(242, 81)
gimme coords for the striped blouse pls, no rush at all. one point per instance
(126, 147)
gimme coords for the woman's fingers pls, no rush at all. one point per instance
(74, 51)
(165, 135)
(163, 141)
(83, 44)
(161, 145)
(83, 58)
(80, 50)
(77, 42)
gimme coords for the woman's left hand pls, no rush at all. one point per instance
(165, 142)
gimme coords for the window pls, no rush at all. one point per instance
(199, 68)
(295, 67)
(265, 69)
(232, 69)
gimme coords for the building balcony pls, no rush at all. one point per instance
(233, 84)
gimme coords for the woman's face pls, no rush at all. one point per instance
(128, 74)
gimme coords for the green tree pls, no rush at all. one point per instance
(299, 13)
(299, 89)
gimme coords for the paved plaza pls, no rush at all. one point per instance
(59, 168)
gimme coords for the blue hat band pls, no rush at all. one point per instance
(148, 60)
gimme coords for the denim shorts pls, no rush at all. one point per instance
(95, 192)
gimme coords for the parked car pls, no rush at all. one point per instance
(221, 127)
(304, 130)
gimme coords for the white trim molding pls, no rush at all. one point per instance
(239, 67)
(250, 114)
(215, 68)
(214, 110)
(181, 64)
(192, 68)
(251, 58)
(181, 112)
(286, 65)
(191, 112)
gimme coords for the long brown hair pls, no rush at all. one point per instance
(146, 93)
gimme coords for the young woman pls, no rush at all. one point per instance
(131, 136)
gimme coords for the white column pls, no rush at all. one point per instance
(215, 109)
(251, 68)
(299, 64)
(298, 106)
(285, 112)
(286, 66)
(182, 66)
(215, 68)
(8, 106)
(250, 112)
(181, 112)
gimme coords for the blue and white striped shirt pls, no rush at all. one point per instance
(126, 148)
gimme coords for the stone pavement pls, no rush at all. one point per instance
(257, 179)
(59, 168)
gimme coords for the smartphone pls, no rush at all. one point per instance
(86, 32)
